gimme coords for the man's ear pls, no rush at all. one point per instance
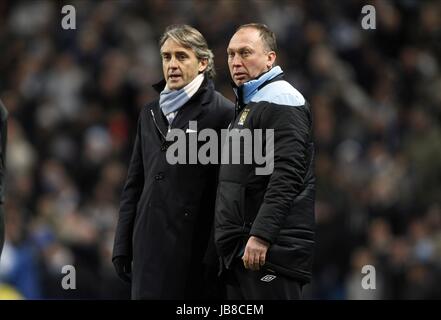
(271, 59)
(203, 64)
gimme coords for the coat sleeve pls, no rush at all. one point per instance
(292, 131)
(224, 112)
(224, 116)
(129, 200)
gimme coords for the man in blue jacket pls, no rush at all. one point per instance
(264, 224)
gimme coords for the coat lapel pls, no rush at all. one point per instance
(188, 113)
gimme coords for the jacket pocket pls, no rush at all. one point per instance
(230, 203)
(252, 199)
(291, 257)
(229, 220)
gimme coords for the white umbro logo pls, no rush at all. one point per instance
(268, 278)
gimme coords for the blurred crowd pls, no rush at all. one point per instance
(74, 96)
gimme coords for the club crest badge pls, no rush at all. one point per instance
(243, 117)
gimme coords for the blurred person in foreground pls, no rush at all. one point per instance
(165, 227)
(264, 223)
(3, 137)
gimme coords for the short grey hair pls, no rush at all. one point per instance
(268, 37)
(191, 38)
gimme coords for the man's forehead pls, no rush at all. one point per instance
(171, 45)
(247, 37)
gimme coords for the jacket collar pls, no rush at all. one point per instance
(246, 91)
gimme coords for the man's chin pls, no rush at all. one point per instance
(240, 80)
(175, 85)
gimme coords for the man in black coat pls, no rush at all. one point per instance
(164, 239)
(3, 135)
(264, 220)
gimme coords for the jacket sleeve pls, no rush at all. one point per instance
(292, 130)
(129, 200)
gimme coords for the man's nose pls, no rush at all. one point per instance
(173, 64)
(236, 61)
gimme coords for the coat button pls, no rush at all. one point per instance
(159, 176)
(164, 147)
(186, 214)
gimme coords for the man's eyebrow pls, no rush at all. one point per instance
(239, 48)
(175, 52)
(181, 52)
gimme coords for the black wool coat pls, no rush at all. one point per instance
(166, 211)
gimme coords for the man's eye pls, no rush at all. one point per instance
(181, 57)
(166, 57)
(246, 53)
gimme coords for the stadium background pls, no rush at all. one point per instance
(74, 97)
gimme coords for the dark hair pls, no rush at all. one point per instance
(268, 37)
(191, 38)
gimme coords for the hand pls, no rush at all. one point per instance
(123, 267)
(255, 253)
